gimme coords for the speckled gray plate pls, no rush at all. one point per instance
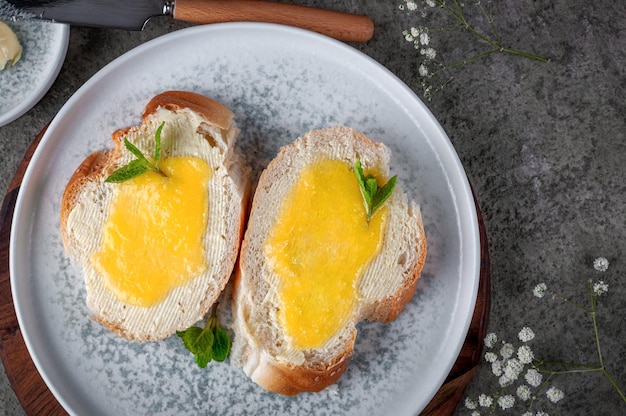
(280, 82)
(44, 46)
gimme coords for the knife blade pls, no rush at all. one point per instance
(134, 14)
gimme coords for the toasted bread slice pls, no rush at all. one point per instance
(195, 126)
(261, 346)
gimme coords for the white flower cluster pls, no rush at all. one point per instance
(421, 39)
(600, 287)
(540, 290)
(601, 264)
(419, 36)
(510, 365)
(513, 365)
(474, 19)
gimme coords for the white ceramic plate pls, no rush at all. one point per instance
(280, 82)
(44, 46)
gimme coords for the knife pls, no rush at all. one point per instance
(134, 14)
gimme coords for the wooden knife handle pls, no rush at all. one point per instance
(339, 25)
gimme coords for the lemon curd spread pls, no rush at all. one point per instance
(152, 240)
(319, 247)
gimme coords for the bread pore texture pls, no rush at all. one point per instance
(193, 127)
(266, 351)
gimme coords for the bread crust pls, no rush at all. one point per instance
(97, 166)
(258, 359)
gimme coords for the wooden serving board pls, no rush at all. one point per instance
(37, 400)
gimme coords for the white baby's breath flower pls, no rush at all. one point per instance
(600, 287)
(505, 380)
(601, 264)
(506, 402)
(475, 413)
(526, 334)
(523, 392)
(490, 340)
(540, 413)
(429, 53)
(507, 350)
(430, 3)
(485, 401)
(496, 368)
(513, 368)
(491, 357)
(423, 70)
(415, 32)
(411, 5)
(554, 394)
(471, 403)
(540, 290)
(533, 377)
(424, 38)
(525, 354)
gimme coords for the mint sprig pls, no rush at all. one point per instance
(140, 165)
(373, 196)
(209, 343)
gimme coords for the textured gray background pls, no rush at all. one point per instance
(544, 146)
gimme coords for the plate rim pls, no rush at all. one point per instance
(36, 94)
(472, 249)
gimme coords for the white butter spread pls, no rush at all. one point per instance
(10, 48)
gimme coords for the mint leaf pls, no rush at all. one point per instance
(196, 339)
(134, 168)
(209, 343)
(372, 186)
(138, 166)
(135, 151)
(199, 342)
(221, 344)
(384, 193)
(203, 358)
(373, 197)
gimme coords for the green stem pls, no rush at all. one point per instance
(489, 17)
(452, 13)
(571, 302)
(497, 44)
(612, 381)
(525, 54)
(445, 28)
(593, 301)
(566, 364)
(458, 65)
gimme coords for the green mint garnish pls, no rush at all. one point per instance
(140, 165)
(373, 196)
(209, 343)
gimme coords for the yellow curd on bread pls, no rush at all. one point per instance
(152, 238)
(319, 247)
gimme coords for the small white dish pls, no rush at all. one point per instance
(280, 82)
(22, 85)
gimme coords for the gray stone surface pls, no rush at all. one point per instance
(544, 146)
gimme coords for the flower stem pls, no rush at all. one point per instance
(571, 302)
(614, 383)
(489, 17)
(526, 55)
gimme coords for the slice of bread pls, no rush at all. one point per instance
(260, 346)
(195, 126)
